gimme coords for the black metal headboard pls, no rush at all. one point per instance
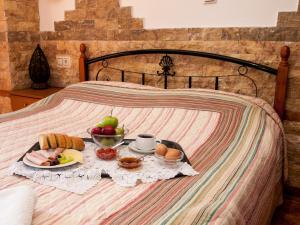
(166, 64)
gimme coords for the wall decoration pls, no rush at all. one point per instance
(39, 70)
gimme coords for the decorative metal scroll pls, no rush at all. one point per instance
(243, 70)
(167, 63)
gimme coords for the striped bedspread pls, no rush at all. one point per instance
(234, 142)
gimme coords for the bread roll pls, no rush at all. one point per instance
(172, 154)
(43, 141)
(77, 143)
(52, 141)
(61, 141)
(161, 149)
(69, 143)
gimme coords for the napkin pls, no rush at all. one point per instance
(17, 205)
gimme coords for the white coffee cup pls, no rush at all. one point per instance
(146, 142)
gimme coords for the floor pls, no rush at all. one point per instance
(289, 212)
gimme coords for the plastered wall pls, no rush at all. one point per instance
(184, 14)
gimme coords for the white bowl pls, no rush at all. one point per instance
(168, 162)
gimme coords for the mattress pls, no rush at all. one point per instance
(235, 142)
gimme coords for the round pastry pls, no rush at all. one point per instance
(172, 154)
(161, 149)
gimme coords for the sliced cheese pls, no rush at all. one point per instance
(76, 155)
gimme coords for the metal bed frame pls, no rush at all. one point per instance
(166, 64)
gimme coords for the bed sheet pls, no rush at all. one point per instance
(236, 143)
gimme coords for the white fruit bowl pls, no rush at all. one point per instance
(107, 141)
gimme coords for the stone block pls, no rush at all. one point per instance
(109, 4)
(132, 23)
(292, 127)
(69, 25)
(23, 36)
(106, 24)
(107, 13)
(5, 105)
(75, 14)
(288, 19)
(125, 12)
(3, 36)
(80, 4)
(293, 144)
(3, 25)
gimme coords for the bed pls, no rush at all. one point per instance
(235, 142)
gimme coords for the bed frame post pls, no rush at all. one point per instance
(83, 76)
(281, 82)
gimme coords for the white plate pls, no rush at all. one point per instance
(132, 147)
(29, 163)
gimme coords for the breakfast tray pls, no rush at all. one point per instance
(79, 178)
(169, 144)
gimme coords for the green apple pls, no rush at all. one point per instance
(110, 121)
(100, 125)
(107, 141)
(120, 131)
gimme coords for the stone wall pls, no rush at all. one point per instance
(23, 36)
(5, 81)
(105, 27)
(19, 35)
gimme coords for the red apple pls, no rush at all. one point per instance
(108, 130)
(97, 130)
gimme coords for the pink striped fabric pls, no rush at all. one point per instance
(234, 142)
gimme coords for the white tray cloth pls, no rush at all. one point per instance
(81, 177)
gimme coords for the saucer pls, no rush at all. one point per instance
(132, 147)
